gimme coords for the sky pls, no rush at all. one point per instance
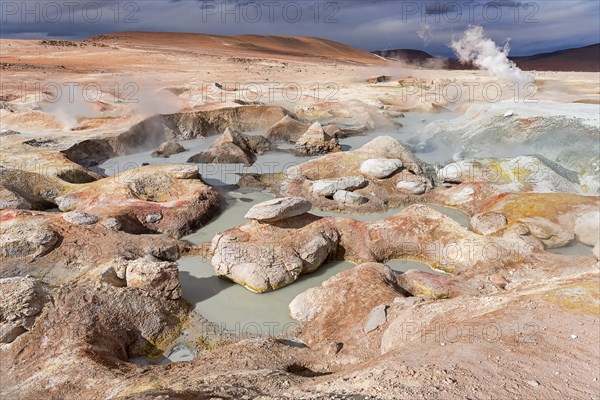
(430, 25)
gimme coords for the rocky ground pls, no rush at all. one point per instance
(89, 281)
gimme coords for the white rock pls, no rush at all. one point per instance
(509, 113)
(488, 223)
(376, 318)
(345, 197)
(587, 227)
(153, 218)
(412, 187)
(380, 168)
(112, 224)
(278, 209)
(80, 218)
(328, 187)
(9, 199)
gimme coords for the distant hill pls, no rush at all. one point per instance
(581, 59)
(241, 46)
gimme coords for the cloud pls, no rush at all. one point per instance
(372, 25)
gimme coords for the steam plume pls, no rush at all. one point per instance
(475, 47)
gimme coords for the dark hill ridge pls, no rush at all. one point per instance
(581, 59)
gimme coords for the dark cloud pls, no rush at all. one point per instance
(533, 26)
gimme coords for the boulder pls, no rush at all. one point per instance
(287, 129)
(587, 227)
(553, 218)
(170, 199)
(412, 184)
(279, 209)
(380, 168)
(168, 149)
(264, 257)
(426, 285)
(80, 218)
(520, 174)
(320, 178)
(233, 148)
(315, 141)
(328, 187)
(158, 279)
(112, 223)
(30, 238)
(347, 198)
(333, 131)
(488, 223)
(11, 199)
(21, 301)
(344, 307)
(376, 318)
(549, 233)
(379, 79)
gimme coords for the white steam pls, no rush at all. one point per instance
(475, 47)
(425, 33)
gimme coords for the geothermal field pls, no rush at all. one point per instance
(201, 216)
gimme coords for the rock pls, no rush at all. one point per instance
(319, 179)
(380, 168)
(379, 79)
(587, 227)
(333, 130)
(328, 187)
(426, 285)
(347, 198)
(279, 209)
(549, 233)
(315, 141)
(233, 148)
(520, 174)
(563, 135)
(552, 218)
(287, 129)
(170, 199)
(488, 223)
(21, 301)
(168, 149)
(153, 218)
(158, 279)
(498, 280)
(520, 229)
(533, 383)
(263, 258)
(112, 224)
(10, 199)
(40, 176)
(509, 113)
(8, 132)
(80, 218)
(339, 310)
(26, 238)
(376, 318)
(412, 184)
